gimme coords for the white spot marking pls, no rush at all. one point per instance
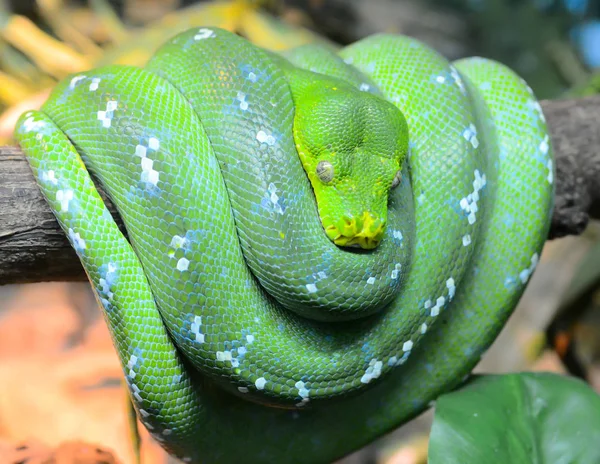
(469, 203)
(49, 177)
(224, 356)
(263, 137)
(272, 196)
(75, 81)
(153, 143)
(312, 288)
(140, 150)
(470, 135)
(183, 264)
(373, 371)
(136, 392)
(94, 85)
(106, 116)
(371, 280)
(132, 361)
(544, 145)
(451, 288)
(241, 97)
(30, 124)
(260, 383)
(177, 241)
(147, 164)
(149, 174)
(526, 273)
(195, 328)
(78, 243)
(535, 106)
(458, 80)
(302, 390)
(64, 196)
(204, 33)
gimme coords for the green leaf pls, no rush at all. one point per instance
(518, 418)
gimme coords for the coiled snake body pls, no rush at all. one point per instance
(235, 172)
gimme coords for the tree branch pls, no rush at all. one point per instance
(575, 132)
(33, 248)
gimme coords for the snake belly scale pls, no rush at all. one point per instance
(245, 333)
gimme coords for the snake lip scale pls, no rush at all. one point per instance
(244, 332)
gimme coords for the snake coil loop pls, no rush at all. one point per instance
(221, 247)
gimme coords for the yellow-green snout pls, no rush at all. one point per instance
(352, 145)
(365, 231)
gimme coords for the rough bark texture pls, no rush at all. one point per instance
(34, 249)
(575, 132)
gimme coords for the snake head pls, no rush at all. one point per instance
(352, 145)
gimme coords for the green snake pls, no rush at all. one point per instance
(317, 244)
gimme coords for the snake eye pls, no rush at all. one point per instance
(397, 178)
(325, 171)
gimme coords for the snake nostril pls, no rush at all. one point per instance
(348, 222)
